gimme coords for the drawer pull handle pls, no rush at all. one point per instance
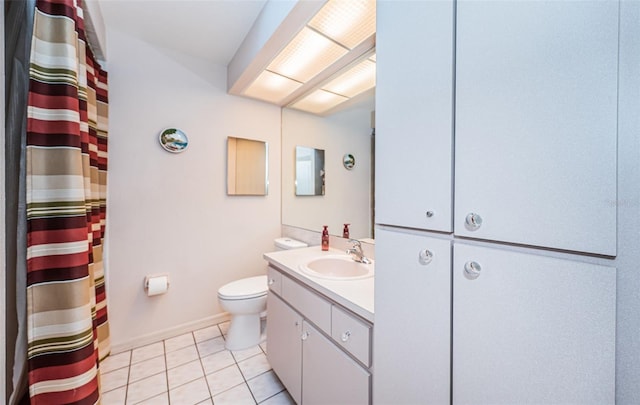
(345, 336)
(272, 281)
(473, 221)
(305, 335)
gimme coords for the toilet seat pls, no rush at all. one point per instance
(251, 287)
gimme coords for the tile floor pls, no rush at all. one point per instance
(191, 369)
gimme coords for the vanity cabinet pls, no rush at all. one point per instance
(319, 350)
(530, 329)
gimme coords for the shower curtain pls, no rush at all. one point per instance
(66, 165)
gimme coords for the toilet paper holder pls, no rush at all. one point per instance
(152, 276)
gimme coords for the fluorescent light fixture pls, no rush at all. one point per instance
(271, 87)
(319, 101)
(308, 54)
(354, 81)
(346, 22)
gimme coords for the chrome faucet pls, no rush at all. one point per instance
(356, 252)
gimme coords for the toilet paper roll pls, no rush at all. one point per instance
(157, 285)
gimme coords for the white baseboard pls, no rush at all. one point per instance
(177, 330)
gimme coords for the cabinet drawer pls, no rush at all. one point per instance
(352, 334)
(312, 306)
(274, 279)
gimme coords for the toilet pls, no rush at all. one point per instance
(246, 300)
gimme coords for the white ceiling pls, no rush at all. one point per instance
(206, 29)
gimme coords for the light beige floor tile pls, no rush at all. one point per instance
(162, 399)
(206, 402)
(147, 368)
(254, 366)
(207, 333)
(185, 373)
(263, 346)
(224, 379)
(115, 361)
(265, 386)
(191, 393)
(239, 395)
(282, 398)
(115, 397)
(224, 327)
(181, 356)
(210, 346)
(147, 352)
(147, 388)
(115, 379)
(217, 361)
(240, 355)
(178, 342)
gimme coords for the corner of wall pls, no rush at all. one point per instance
(3, 352)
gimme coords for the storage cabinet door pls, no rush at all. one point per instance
(412, 331)
(284, 344)
(329, 376)
(536, 122)
(414, 107)
(531, 330)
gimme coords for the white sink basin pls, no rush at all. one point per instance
(337, 267)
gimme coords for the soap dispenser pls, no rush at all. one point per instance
(325, 238)
(345, 231)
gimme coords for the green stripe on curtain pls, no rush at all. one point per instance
(68, 331)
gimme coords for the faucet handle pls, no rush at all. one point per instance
(355, 242)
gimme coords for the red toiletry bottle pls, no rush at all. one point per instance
(345, 231)
(325, 238)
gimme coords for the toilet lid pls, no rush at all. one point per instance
(245, 288)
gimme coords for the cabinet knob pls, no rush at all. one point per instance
(472, 270)
(473, 221)
(305, 335)
(429, 214)
(271, 281)
(296, 323)
(425, 257)
(345, 336)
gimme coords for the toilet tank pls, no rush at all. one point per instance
(288, 243)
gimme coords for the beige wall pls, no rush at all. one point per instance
(170, 213)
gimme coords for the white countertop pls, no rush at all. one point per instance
(355, 295)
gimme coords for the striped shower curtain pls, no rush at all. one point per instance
(67, 327)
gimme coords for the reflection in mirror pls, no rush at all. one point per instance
(247, 167)
(348, 196)
(309, 171)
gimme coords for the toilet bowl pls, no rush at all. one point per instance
(245, 300)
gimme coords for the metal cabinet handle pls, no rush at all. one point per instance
(429, 214)
(425, 257)
(473, 221)
(305, 335)
(271, 281)
(345, 336)
(472, 270)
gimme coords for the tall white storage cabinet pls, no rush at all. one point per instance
(533, 163)
(536, 122)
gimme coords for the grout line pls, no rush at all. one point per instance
(166, 370)
(204, 372)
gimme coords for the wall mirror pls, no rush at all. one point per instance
(247, 162)
(310, 174)
(348, 194)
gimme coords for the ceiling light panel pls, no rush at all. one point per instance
(308, 54)
(319, 101)
(271, 87)
(354, 81)
(348, 22)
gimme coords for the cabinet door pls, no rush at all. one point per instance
(414, 107)
(329, 376)
(536, 122)
(532, 329)
(284, 344)
(412, 331)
